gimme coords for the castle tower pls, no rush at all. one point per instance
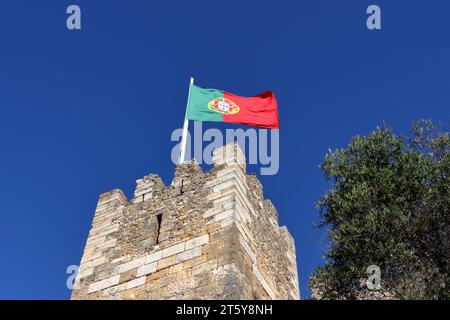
(210, 235)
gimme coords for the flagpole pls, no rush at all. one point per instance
(185, 127)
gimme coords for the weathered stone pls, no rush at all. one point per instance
(154, 257)
(198, 241)
(166, 262)
(103, 284)
(170, 251)
(146, 269)
(131, 264)
(189, 254)
(136, 282)
(210, 235)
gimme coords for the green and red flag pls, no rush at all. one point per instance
(216, 105)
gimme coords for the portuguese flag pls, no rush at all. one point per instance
(215, 105)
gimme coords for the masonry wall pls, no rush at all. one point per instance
(210, 235)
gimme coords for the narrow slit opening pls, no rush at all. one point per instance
(159, 218)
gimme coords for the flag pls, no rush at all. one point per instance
(216, 105)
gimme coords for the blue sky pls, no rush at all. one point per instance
(87, 111)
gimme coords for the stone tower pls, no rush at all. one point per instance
(210, 235)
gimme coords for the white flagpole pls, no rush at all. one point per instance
(185, 127)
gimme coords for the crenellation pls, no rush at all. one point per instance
(209, 235)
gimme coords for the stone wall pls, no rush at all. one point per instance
(210, 235)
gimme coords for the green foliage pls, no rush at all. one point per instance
(388, 205)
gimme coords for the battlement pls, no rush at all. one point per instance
(209, 235)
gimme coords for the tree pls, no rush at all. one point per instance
(388, 205)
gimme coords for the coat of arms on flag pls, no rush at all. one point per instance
(223, 105)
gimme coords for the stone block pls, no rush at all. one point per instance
(155, 256)
(170, 251)
(136, 282)
(224, 215)
(156, 275)
(103, 284)
(99, 261)
(206, 266)
(166, 262)
(194, 262)
(189, 254)
(146, 269)
(128, 275)
(131, 265)
(196, 242)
